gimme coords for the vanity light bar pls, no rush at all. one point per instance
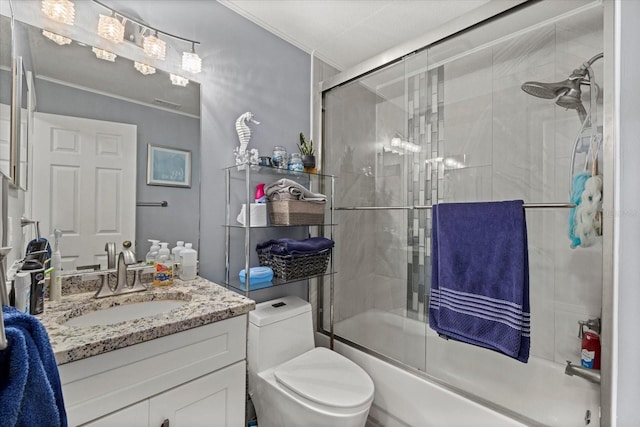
(155, 48)
(112, 28)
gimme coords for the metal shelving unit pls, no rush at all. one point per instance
(241, 181)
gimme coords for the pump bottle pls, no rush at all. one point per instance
(153, 252)
(163, 267)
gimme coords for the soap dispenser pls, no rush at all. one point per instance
(153, 252)
(163, 267)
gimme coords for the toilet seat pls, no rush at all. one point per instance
(326, 378)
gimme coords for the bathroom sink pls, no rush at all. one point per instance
(122, 313)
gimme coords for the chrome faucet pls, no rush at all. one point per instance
(125, 258)
(590, 375)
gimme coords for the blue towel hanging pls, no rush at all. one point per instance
(480, 275)
(30, 388)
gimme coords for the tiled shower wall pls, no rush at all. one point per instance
(502, 144)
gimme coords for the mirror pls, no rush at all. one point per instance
(69, 81)
(19, 125)
(6, 91)
(14, 95)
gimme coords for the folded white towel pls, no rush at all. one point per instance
(286, 189)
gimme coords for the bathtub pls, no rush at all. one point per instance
(495, 390)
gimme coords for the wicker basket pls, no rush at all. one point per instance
(295, 212)
(290, 267)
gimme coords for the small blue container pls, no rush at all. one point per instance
(260, 277)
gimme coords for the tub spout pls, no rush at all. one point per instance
(588, 374)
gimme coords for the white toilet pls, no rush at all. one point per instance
(293, 384)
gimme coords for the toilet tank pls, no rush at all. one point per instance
(279, 330)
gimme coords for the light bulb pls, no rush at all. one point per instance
(61, 40)
(178, 80)
(154, 47)
(144, 68)
(110, 28)
(191, 62)
(59, 10)
(104, 54)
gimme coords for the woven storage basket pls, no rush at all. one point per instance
(290, 267)
(295, 212)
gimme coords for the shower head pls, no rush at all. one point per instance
(546, 90)
(570, 100)
(567, 91)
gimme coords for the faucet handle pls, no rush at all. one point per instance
(110, 247)
(128, 256)
(581, 323)
(593, 324)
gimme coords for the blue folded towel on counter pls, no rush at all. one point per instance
(30, 388)
(480, 275)
(295, 247)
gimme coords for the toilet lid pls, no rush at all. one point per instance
(326, 377)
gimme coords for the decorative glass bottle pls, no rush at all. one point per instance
(295, 163)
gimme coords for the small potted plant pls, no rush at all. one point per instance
(306, 149)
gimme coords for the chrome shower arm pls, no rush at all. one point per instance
(590, 62)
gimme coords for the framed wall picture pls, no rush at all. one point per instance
(168, 166)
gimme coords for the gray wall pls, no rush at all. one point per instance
(252, 70)
(178, 221)
(628, 216)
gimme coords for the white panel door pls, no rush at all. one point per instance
(84, 184)
(214, 400)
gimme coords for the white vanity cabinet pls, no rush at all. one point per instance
(188, 379)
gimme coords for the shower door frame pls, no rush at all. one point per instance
(481, 15)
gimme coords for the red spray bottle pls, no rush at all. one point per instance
(590, 353)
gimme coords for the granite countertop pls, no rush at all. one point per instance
(207, 302)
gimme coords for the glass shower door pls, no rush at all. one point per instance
(376, 142)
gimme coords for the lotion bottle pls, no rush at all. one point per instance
(188, 269)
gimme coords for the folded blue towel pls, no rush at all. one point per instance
(295, 247)
(30, 388)
(480, 275)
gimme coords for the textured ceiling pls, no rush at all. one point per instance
(344, 33)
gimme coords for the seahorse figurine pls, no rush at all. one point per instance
(244, 131)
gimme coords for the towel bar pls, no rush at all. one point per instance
(374, 208)
(162, 204)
